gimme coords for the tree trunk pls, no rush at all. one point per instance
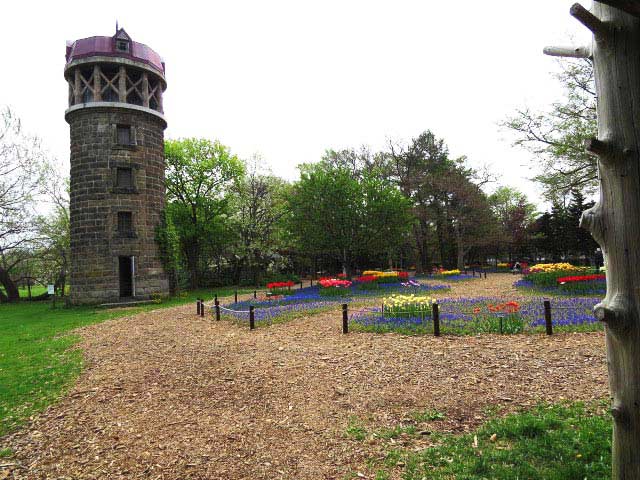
(192, 252)
(615, 222)
(459, 248)
(12, 293)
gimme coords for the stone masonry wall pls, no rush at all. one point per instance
(95, 201)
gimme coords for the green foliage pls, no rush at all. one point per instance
(337, 214)
(281, 277)
(199, 176)
(428, 416)
(259, 209)
(334, 291)
(560, 442)
(356, 430)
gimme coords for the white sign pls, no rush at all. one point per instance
(51, 289)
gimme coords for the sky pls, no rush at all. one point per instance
(289, 79)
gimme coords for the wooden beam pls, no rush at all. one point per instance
(122, 85)
(145, 89)
(97, 84)
(572, 52)
(588, 19)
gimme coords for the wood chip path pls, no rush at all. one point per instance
(168, 395)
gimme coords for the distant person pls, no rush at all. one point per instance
(517, 268)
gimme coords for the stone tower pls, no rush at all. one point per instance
(117, 168)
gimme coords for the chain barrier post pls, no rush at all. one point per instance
(547, 317)
(345, 318)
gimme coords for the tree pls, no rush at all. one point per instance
(556, 137)
(416, 168)
(334, 213)
(580, 241)
(199, 176)
(515, 215)
(21, 157)
(469, 213)
(614, 221)
(259, 207)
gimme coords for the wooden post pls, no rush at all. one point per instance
(97, 84)
(235, 297)
(436, 320)
(300, 284)
(252, 321)
(217, 304)
(77, 87)
(485, 274)
(198, 307)
(345, 318)
(202, 307)
(122, 85)
(215, 298)
(255, 294)
(145, 89)
(311, 282)
(547, 317)
(614, 221)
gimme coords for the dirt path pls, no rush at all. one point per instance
(168, 395)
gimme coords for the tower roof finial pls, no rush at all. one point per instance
(117, 26)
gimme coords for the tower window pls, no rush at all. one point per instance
(124, 134)
(122, 45)
(124, 178)
(125, 224)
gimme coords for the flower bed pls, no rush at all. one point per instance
(280, 288)
(311, 299)
(472, 316)
(449, 276)
(563, 278)
(384, 277)
(333, 287)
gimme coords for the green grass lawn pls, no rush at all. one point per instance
(551, 442)
(37, 363)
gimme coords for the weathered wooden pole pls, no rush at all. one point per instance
(436, 320)
(252, 319)
(614, 221)
(217, 305)
(345, 318)
(547, 317)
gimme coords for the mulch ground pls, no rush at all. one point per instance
(169, 395)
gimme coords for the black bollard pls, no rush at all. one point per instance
(436, 320)
(547, 317)
(252, 320)
(345, 318)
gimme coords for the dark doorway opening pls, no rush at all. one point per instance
(125, 269)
